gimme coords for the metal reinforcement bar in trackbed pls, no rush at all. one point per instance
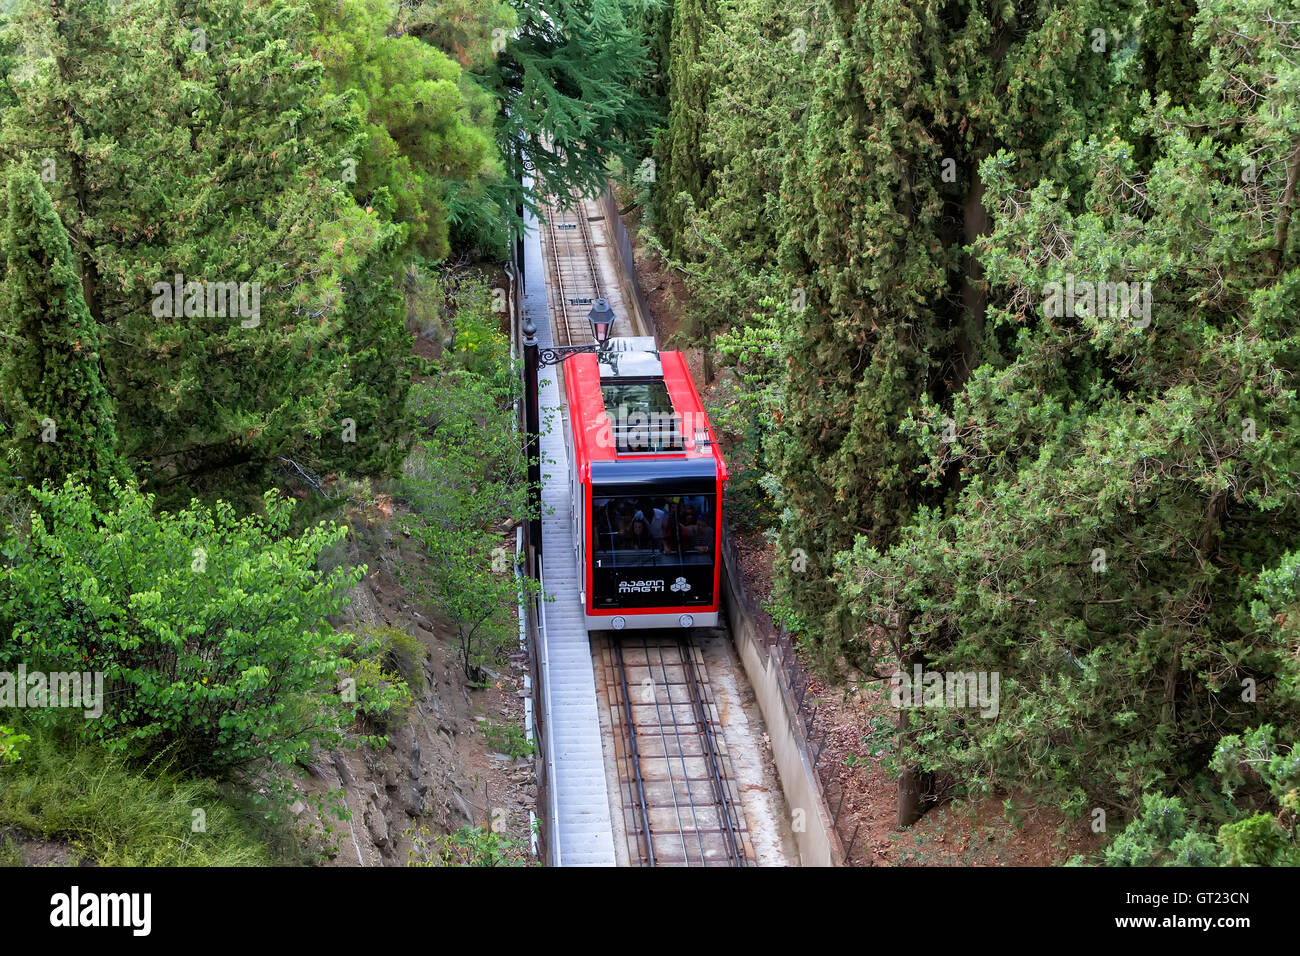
(734, 850)
(635, 755)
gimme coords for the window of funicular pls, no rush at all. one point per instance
(642, 416)
(652, 549)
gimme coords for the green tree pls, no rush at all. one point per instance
(466, 481)
(570, 83)
(481, 210)
(198, 140)
(469, 31)
(211, 631)
(570, 94)
(427, 126)
(753, 74)
(683, 167)
(63, 416)
(881, 196)
(654, 23)
(1118, 535)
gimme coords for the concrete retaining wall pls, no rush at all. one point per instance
(814, 829)
(633, 297)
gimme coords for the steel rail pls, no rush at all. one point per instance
(634, 757)
(717, 775)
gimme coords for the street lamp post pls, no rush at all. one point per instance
(601, 318)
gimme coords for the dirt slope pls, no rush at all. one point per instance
(438, 769)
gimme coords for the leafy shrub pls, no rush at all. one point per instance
(468, 846)
(1161, 836)
(1258, 841)
(1253, 767)
(385, 662)
(402, 653)
(9, 743)
(1250, 762)
(211, 630)
(508, 738)
(479, 345)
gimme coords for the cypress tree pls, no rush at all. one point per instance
(882, 194)
(64, 423)
(882, 199)
(682, 167)
(1121, 543)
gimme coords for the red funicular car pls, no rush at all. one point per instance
(647, 489)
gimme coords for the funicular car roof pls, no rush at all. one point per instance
(584, 375)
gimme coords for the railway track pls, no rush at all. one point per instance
(678, 792)
(680, 805)
(575, 274)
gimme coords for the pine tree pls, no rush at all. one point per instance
(64, 424)
(427, 126)
(570, 83)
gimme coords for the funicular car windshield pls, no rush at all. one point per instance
(653, 549)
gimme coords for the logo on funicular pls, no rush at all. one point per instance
(681, 585)
(642, 587)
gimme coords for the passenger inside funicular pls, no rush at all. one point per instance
(645, 530)
(695, 530)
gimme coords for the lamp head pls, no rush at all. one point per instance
(601, 317)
